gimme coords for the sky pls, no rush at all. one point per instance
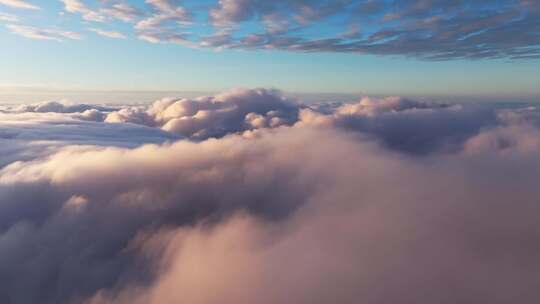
(135, 51)
(258, 151)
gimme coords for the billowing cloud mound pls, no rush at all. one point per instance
(332, 206)
(408, 125)
(215, 116)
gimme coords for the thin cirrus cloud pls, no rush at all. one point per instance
(19, 4)
(108, 34)
(263, 200)
(43, 34)
(8, 17)
(116, 10)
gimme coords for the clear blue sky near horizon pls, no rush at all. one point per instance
(198, 46)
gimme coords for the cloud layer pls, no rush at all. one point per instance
(261, 200)
(426, 29)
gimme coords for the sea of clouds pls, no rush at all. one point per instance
(249, 197)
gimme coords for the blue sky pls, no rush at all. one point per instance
(485, 50)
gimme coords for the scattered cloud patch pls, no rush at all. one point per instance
(428, 30)
(77, 6)
(111, 10)
(165, 23)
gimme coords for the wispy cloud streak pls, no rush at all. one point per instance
(43, 34)
(19, 4)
